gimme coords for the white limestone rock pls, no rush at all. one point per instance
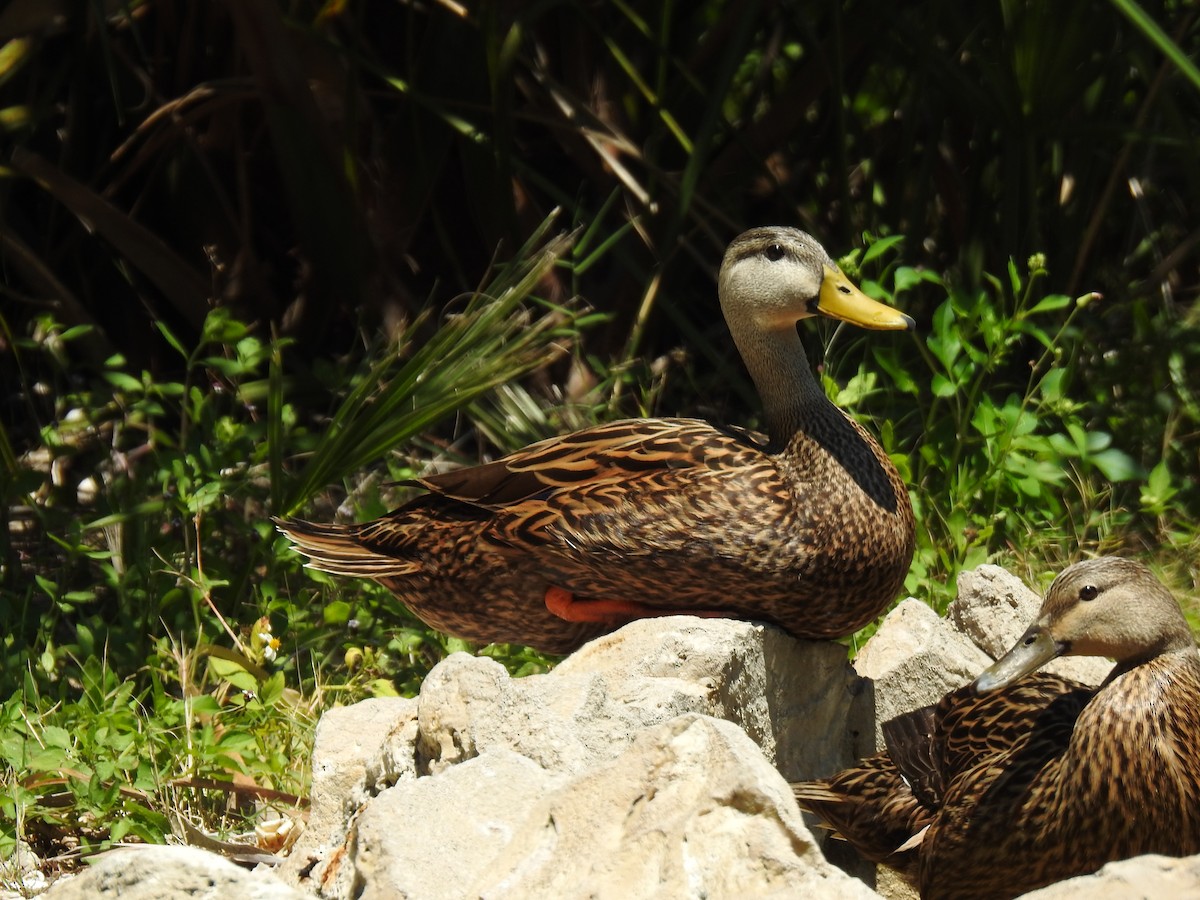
(359, 750)
(432, 837)
(792, 697)
(155, 872)
(797, 699)
(689, 808)
(1141, 878)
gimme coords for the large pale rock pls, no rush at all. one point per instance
(1141, 878)
(689, 808)
(796, 699)
(169, 873)
(994, 608)
(792, 697)
(431, 837)
(913, 659)
(359, 751)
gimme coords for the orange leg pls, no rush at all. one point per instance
(563, 604)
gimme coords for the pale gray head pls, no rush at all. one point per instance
(774, 276)
(770, 279)
(1108, 606)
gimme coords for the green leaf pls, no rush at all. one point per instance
(153, 819)
(205, 705)
(271, 690)
(901, 380)
(76, 331)
(123, 381)
(56, 736)
(228, 670)
(1158, 491)
(1116, 465)
(170, 338)
(1014, 277)
(856, 390)
(458, 645)
(220, 327)
(944, 341)
(382, 687)
(1064, 446)
(336, 613)
(1050, 303)
(880, 246)
(1052, 386)
(907, 278)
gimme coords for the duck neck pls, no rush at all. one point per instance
(1182, 653)
(791, 397)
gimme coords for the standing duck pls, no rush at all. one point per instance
(1020, 780)
(810, 528)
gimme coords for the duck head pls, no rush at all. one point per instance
(1108, 606)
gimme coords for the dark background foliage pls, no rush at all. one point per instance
(315, 164)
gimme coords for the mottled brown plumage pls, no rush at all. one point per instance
(1021, 780)
(810, 528)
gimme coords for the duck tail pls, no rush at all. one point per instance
(831, 806)
(869, 805)
(339, 549)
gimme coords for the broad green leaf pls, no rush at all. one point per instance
(228, 670)
(1116, 465)
(55, 736)
(880, 246)
(336, 613)
(123, 381)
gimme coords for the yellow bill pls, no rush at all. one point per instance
(840, 299)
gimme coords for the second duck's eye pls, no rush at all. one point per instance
(774, 252)
(1088, 592)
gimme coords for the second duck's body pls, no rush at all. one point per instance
(1021, 780)
(811, 529)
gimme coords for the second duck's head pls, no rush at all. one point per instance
(1108, 606)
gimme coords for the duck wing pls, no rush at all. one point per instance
(599, 455)
(1030, 720)
(608, 476)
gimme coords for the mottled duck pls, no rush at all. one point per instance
(810, 528)
(1022, 779)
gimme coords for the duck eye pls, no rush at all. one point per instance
(1088, 592)
(774, 252)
